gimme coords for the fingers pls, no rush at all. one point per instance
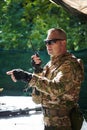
(11, 74)
(13, 78)
(36, 59)
(34, 56)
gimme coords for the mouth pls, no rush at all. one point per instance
(49, 50)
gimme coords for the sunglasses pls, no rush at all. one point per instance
(52, 41)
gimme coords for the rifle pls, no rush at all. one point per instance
(18, 112)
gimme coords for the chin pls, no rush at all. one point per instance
(50, 53)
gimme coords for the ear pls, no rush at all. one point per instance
(63, 45)
(64, 42)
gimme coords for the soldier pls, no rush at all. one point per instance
(58, 84)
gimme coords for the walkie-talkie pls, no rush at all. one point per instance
(36, 67)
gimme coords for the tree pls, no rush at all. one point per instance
(22, 20)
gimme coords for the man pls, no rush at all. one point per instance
(58, 83)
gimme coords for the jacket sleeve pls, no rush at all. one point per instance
(68, 75)
(36, 96)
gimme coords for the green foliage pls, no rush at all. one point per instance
(22, 20)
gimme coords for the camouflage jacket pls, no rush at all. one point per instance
(59, 83)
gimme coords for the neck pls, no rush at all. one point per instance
(62, 53)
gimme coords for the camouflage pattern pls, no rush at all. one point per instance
(59, 85)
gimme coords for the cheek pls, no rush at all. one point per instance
(57, 48)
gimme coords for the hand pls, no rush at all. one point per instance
(36, 59)
(36, 63)
(12, 75)
(20, 75)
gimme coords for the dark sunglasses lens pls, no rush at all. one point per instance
(49, 42)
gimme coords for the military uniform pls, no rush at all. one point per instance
(59, 86)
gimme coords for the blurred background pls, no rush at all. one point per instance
(26, 21)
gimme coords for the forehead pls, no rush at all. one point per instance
(53, 35)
